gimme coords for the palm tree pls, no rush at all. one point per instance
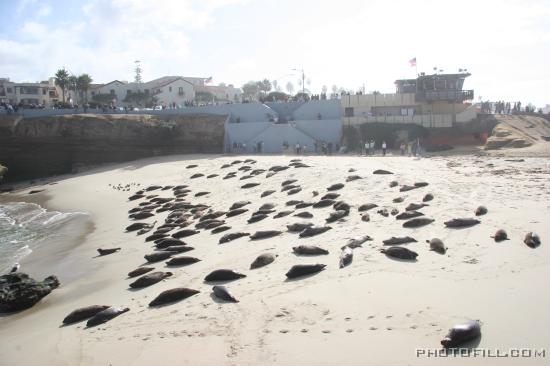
(62, 80)
(73, 81)
(84, 81)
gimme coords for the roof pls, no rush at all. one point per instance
(164, 81)
(438, 76)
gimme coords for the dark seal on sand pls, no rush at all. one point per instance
(304, 269)
(223, 275)
(106, 315)
(173, 295)
(263, 260)
(222, 293)
(462, 333)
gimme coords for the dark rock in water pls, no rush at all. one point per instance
(415, 206)
(18, 291)
(323, 203)
(232, 236)
(250, 185)
(288, 181)
(336, 215)
(173, 295)
(150, 279)
(381, 171)
(256, 218)
(222, 293)
(84, 313)
(367, 206)
(330, 196)
(345, 257)
(140, 271)
(400, 253)
(239, 204)
(351, 178)
(335, 187)
(293, 202)
(309, 250)
(294, 191)
(223, 275)
(185, 233)
(399, 240)
(314, 230)
(357, 242)
(481, 210)
(265, 234)
(219, 229)
(420, 184)
(428, 197)
(282, 214)
(417, 222)
(267, 193)
(182, 261)
(341, 205)
(304, 269)
(107, 251)
(263, 260)
(500, 235)
(106, 315)
(198, 175)
(462, 333)
(464, 222)
(532, 240)
(298, 227)
(408, 215)
(158, 256)
(304, 214)
(236, 212)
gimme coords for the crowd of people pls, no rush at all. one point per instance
(406, 148)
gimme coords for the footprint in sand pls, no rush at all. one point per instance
(414, 326)
(304, 330)
(326, 331)
(373, 328)
(349, 330)
(370, 317)
(283, 331)
(347, 319)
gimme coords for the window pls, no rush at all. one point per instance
(9, 90)
(129, 91)
(112, 92)
(93, 93)
(146, 91)
(170, 89)
(44, 91)
(180, 91)
(348, 112)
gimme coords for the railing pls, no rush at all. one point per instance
(444, 95)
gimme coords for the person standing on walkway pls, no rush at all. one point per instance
(367, 147)
(383, 148)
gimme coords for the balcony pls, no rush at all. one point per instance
(444, 95)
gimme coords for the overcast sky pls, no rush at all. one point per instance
(504, 44)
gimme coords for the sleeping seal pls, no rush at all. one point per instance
(222, 293)
(223, 275)
(309, 250)
(532, 240)
(500, 235)
(304, 269)
(106, 315)
(400, 253)
(462, 333)
(437, 245)
(263, 260)
(84, 313)
(173, 295)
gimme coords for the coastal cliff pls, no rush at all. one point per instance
(39, 147)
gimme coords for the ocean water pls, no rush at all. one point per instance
(26, 226)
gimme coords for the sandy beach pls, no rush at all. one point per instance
(376, 311)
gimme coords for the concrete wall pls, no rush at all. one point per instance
(329, 109)
(284, 110)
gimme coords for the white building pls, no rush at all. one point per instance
(44, 93)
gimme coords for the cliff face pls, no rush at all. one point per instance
(38, 147)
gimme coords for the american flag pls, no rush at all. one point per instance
(412, 61)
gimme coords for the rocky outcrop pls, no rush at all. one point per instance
(38, 147)
(18, 291)
(504, 136)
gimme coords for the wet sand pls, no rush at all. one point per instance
(375, 311)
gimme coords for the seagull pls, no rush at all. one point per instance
(15, 268)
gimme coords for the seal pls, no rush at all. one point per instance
(330, 196)
(239, 204)
(400, 253)
(232, 236)
(158, 256)
(381, 171)
(250, 185)
(199, 194)
(428, 197)
(462, 333)
(303, 205)
(304, 215)
(437, 245)
(137, 226)
(294, 191)
(351, 178)
(267, 206)
(314, 230)
(346, 257)
(532, 240)
(309, 250)
(197, 175)
(408, 215)
(500, 235)
(107, 251)
(219, 229)
(256, 218)
(223, 275)
(178, 248)
(288, 187)
(282, 214)
(84, 313)
(293, 202)
(341, 205)
(167, 242)
(323, 203)
(106, 315)
(394, 183)
(141, 215)
(463, 222)
(415, 206)
(398, 199)
(263, 260)
(139, 271)
(365, 217)
(265, 234)
(367, 206)
(184, 233)
(406, 188)
(222, 293)
(399, 240)
(481, 210)
(420, 184)
(173, 295)
(336, 215)
(300, 270)
(150, 279)
(154, 237)
(335, 187)
(298, 227)
(267, 193)
(211, 176)
(236, 212)
(418, 222)
(191, 166)
(383, 212)
(182, 261)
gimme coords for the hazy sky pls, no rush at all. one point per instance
(504, 44)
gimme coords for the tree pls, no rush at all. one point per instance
(324, 89)
(73, 85)
(204, 96)
(275, 85)
(334, 89)
(289, 87)
(84, 81)
(251, 89)
(62, 81)
(264, 85)
(275, 96)
(138, 71)
(104, 98)
(139, 98)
